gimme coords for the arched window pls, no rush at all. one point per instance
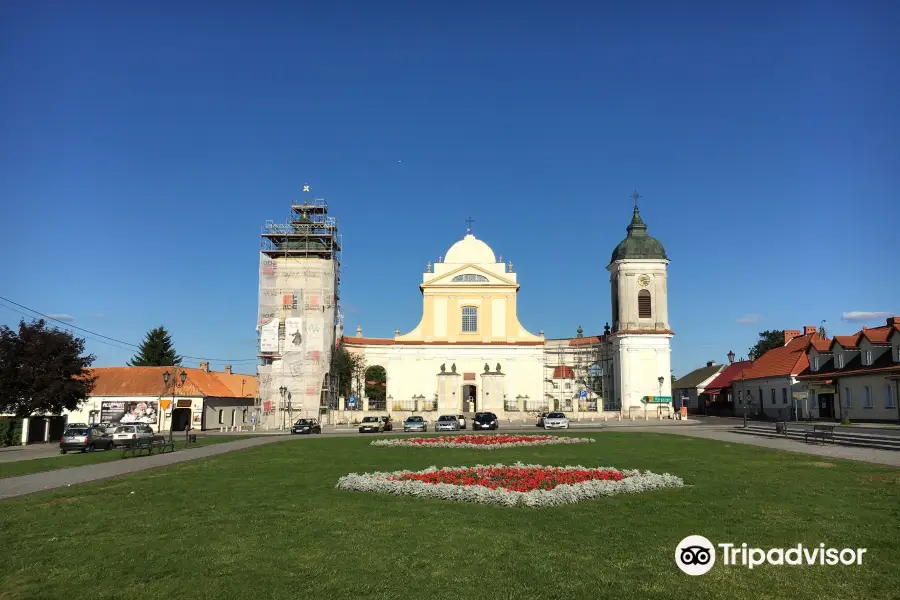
(644, 311)
(469, 319)
(471, 277)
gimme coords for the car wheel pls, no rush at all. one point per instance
(62, 450)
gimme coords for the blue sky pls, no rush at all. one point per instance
(145, 145)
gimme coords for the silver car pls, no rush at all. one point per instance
(447, 423)
(415, 423)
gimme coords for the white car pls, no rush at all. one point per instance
(556, 420)
(126, 435)
(462, 421)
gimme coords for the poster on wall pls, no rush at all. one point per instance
(293, 334)
(198, 419)
(268, 336)
(124, 413)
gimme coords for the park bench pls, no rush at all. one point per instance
(781, 427)
(148, 445)
(822, 433)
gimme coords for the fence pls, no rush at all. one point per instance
(587, 405)
(536, 405)
(409, 405)
(377, 404)
(511, 406)
(429, 404)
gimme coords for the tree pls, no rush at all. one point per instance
(376, 380)
(42, 370)
(346, 366)
(156, 350)
(767, 341)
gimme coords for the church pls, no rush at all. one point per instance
(469, 352)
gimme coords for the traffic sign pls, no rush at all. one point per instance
(165, 404)
(351, 401)
(656, 399)
(582, 393)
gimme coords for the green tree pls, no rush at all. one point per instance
(42, 370)
(156, 350)
(767, 341)
(376, 382)
(348, 368)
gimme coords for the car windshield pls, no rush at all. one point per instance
(76, 432)
(370, 419)
(414, 420)
(556, 416)
(447, 418)
(304, 422)
(484, 417)
(125, 429)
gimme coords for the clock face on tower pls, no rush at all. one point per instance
(644, 281)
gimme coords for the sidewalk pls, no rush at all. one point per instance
(12, 487)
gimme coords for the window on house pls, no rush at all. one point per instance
(470, 319)
(868, 357)
(244, 416)
(869, 402)
(784, 395)
(839, 360)
(760, 399)
(848, 402)
(568, 385)
(815, 363)
(773, 395)
(889, 396)
(221, 417)
(644, 311)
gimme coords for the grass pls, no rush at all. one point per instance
(77, 459)
(268, 523)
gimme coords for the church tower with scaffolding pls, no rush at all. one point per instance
(299, 321)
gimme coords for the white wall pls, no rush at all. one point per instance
(782, 385)
(858, 411)
(639, 361)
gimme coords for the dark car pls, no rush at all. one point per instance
(84, 439)
(308, 426)
(485, 420)
(388, 423)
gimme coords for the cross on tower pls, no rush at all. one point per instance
(636, 196)
(469, 222)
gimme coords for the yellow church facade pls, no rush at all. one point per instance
(469, 352)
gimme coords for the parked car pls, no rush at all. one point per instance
(541, 417)
(447, 423)
(462, 421)
(387, 423)
(415, 423)
(77, 426)
(84, 439)
(371, 424)
(308, 426)
(128, 435)
(485, 420)
(556, 420)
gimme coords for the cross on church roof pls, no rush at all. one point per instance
(636, 197)
(469, 222)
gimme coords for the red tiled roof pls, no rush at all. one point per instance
(357, 341)
(563, 372)
(876, 335)
(584, 340)
(845, 341)
(789, 359)
(148, 381)
(729, 374)
(646, 331)
(821, 344)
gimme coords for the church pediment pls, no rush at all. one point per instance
(469, 275)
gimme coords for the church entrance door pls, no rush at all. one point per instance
(470, 393)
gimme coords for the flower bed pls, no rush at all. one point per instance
(511, 485)
(481, 442)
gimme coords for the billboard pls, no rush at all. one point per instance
(145, 412)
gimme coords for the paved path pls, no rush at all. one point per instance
(12, 487)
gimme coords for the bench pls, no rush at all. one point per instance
(821, 433)
(781, 427)
(148, 445)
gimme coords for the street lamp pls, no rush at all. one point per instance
(166, 376)
(730, 357)
(282, 390)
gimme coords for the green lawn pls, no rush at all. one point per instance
(268, 523)
(77, 459)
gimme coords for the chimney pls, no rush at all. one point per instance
(228, 369)
(711, 363)
(809, 330)
(204, 366)
(893, 321)
(790, 334)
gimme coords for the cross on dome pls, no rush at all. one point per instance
(469, 222)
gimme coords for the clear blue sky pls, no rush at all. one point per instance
(144, 145)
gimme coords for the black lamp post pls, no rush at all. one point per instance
(282, 390)
(730, 357)
(183, 377)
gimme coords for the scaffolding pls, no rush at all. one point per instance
(576, 366)
(299, 322)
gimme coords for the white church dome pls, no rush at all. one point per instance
(470, 250)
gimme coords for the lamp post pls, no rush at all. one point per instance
(166, 376)
(744, 395)
(730, 357)
(282, 390)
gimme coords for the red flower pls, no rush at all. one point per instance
(516, 479)
(481, 440)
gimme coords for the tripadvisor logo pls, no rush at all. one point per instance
(696, 555)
